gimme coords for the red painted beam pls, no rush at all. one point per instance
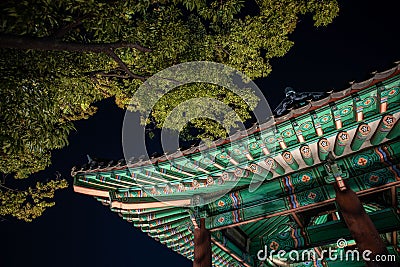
(361, 227)
(202, 246)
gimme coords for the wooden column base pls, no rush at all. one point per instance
(202, 246)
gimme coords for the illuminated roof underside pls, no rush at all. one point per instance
(294, 208)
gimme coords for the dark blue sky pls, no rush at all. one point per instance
(81, 232)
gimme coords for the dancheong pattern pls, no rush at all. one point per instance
(229, 218)
(288, 208)
(227, 202)
(294, 238)
(299, 181)
(325, 118)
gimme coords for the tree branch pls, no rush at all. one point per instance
(37, 43)
(4, 178)
(114, 75)
(94, 80)
(47, 44)
(99, 86)
(223, 49)
(123, 66)
(103, 73)
(8, 188)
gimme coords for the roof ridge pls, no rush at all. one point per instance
(312, 105)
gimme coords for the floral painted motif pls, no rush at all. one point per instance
(270, 163)
(344, 136)
(362, 161)
(369, 101)
(374, 178)
(225, 176)
(305, 178)
(274, 245)
(254, 168)
(393, 91)
(346, 111)
(325, 118)
(254, 146)
(389, 120)
(324, 143)
(312, 195)
(365, 129)
(306, 126)
(239, 172)
(287, 133)
(210, 180)
(306, 151)
(270, 140)
(195, 184)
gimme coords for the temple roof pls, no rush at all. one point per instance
(314, 101)
(293, 207)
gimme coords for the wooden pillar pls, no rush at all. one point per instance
(202, 246)
(361, 227)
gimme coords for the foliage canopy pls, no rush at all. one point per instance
(59, 57)
(29, 204)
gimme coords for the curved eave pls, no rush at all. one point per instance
(91, 192)
(147, 205)
(189, 191)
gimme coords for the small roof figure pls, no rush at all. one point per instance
(296, 100)
(289, 91)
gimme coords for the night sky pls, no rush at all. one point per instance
(79, 231)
